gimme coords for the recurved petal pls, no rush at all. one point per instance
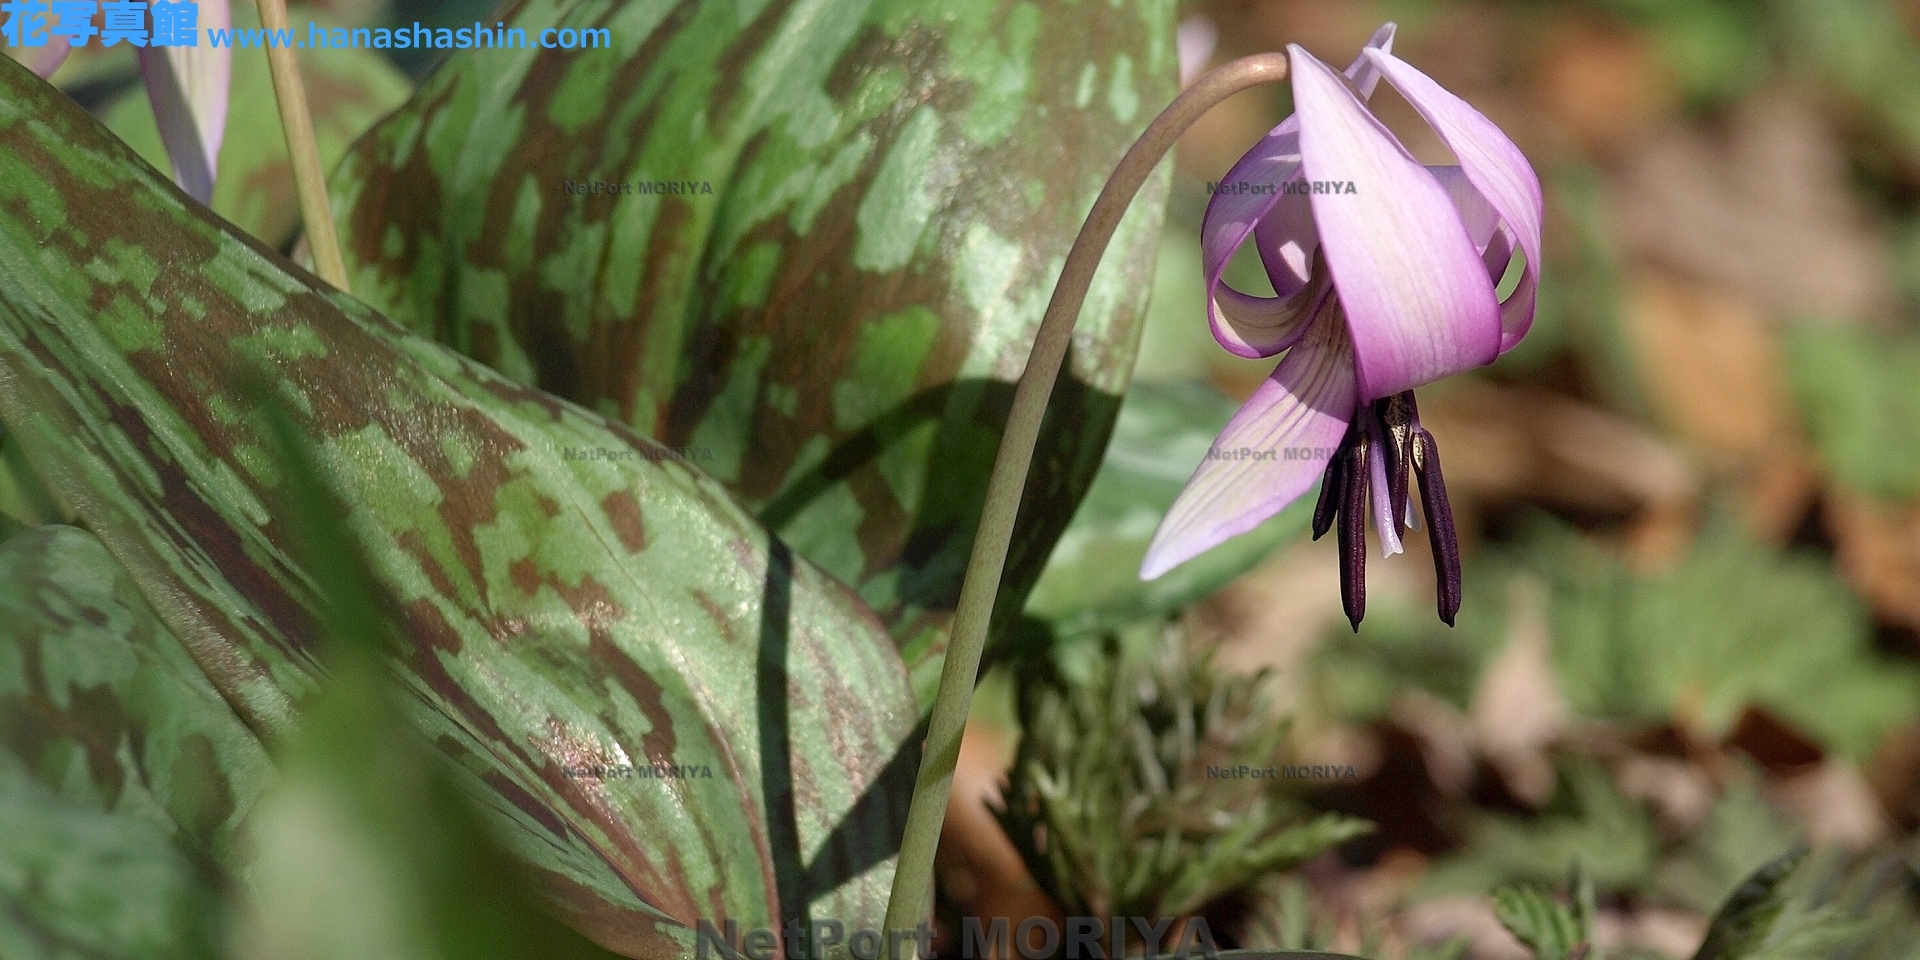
(1491, 237)
(1250, 326)
(1250, 196)
(188, 87)
(1269, 454)
(1497, 168)
(1418, 301)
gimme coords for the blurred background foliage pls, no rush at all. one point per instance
(1691, 504)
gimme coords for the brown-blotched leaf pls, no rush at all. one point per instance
(569, 598)
(833, 331)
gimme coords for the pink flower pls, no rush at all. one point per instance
(1385, 272)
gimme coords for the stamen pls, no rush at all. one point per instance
(1353, 535)
(1332, 486)
(1440, 533)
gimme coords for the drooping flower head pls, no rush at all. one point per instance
(1385, 272)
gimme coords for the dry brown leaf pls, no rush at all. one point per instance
(1443, 918)
(1835, 804)
(977, 864)
(1444, 735)
(1711, 362)
(1672, 933)
(1502, 443)
(1878, 547)
(1603, 84)
(1681, 792)
(1517, 711)
(1764, 209)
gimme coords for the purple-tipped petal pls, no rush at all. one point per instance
(1232, 216)
(44, 60)
(188, 87)
(1418, 301)
(1499, 171)
(1304, 406)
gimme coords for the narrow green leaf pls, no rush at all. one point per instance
(567, 599)
(834, 330)
(1747, 917)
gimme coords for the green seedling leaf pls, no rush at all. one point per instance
(1588, 822)
(615, 658)
(1092, 581)
(1117, 799)
(1543, 923)
(832, 331)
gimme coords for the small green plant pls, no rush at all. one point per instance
(1122, 798)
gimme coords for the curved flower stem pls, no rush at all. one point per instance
(309, 182)
(912, 898)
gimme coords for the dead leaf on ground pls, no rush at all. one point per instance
(1763, 208)
(1878, 548)
(1835, 804)
(1502, 443)
(1602, 83)
(1517, 711)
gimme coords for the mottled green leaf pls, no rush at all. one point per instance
(1859, 395)
(1092, 581)
(347, 90)
(366, 848)
(77, 882)
(833, 331)
(101, 703)
(124, 776)
(566, 598)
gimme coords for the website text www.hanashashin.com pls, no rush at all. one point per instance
(177, 23)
